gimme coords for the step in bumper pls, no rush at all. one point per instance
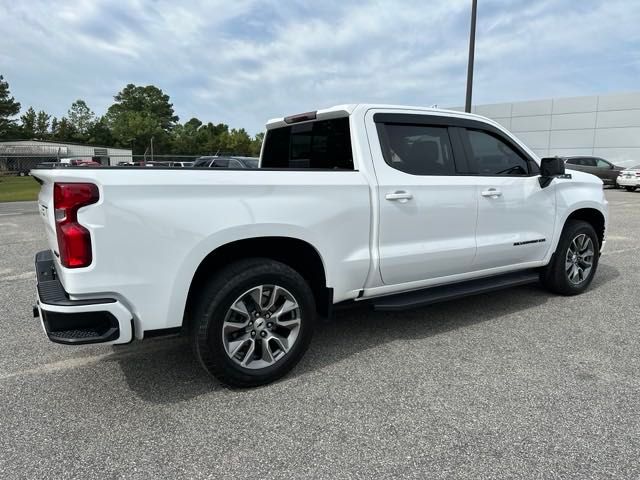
(77, 322)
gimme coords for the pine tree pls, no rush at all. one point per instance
(8, 108)
(42, 124)
(28, 123)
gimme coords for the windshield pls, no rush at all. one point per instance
(250, 162)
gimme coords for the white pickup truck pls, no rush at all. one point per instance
(396, 206)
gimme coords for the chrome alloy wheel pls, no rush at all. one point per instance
(261, 326)
(579, 260)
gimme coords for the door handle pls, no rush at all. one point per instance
(492, 192)
(399, 195)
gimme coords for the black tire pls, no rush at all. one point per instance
(554, 276)
(630, 189)
(215, 300)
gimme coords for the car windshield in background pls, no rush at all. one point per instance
(203, 162)
(250, 162)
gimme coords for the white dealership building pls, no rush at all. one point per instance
(606, 126)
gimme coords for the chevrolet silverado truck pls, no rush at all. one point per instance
(398, 207)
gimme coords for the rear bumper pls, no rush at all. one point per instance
(77, 322)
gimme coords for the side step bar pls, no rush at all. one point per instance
(443, 293)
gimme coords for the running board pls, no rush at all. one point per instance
(443, 293)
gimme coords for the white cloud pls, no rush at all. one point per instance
(244, 61)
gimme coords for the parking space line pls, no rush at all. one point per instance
(79, 362)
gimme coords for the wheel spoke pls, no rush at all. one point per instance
(248, 356)
(240, 308)
(584, 263)
(281, 341)
(237, 344)
(287, 306)
(256, 296)
(574, 272)
(275, 292)
(267, 356)
(294, 322)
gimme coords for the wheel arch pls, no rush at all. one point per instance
(592, 216)
(294, 252)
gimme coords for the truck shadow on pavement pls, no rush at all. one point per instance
(169, 373)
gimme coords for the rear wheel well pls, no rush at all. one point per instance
(297, 254)
(593, 217)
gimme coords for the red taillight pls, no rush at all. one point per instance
(74, 241)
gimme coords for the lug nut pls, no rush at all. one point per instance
(263, 333)
(253, 333)
(270, 325)
(268, 315)
(251, 323)
(256, 314)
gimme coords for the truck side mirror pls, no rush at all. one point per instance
(550, 168)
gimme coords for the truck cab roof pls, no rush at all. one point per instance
(346, 110)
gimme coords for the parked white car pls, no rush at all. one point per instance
(396, 206)
(630, 178)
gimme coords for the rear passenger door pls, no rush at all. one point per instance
(427, 206)
(515, 214)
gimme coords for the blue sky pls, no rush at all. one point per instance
(244, 61)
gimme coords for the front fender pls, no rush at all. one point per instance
(582, 191)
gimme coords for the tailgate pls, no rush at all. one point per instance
(46, 210)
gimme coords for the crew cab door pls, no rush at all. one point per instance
(427, 207)
(516, 216)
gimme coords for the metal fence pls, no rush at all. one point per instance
(21, 164)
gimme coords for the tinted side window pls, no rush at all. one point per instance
(572, 161)
(588, 162)
(417, 149)
(323, 144)
(602, 163)
(493, 156)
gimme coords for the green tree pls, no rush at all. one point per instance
(64, 130)
(99, 133)
(28, 123)
(140, 113)
(212, 138)
(8, 108)
(81, 117)
(137, 129)
(42, 124)
(238, 142)
(256, 144)
(185, 138)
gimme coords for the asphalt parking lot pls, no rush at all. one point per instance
(517, 383)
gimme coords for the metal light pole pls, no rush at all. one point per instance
(472, 48)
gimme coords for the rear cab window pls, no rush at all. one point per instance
(321, 144)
